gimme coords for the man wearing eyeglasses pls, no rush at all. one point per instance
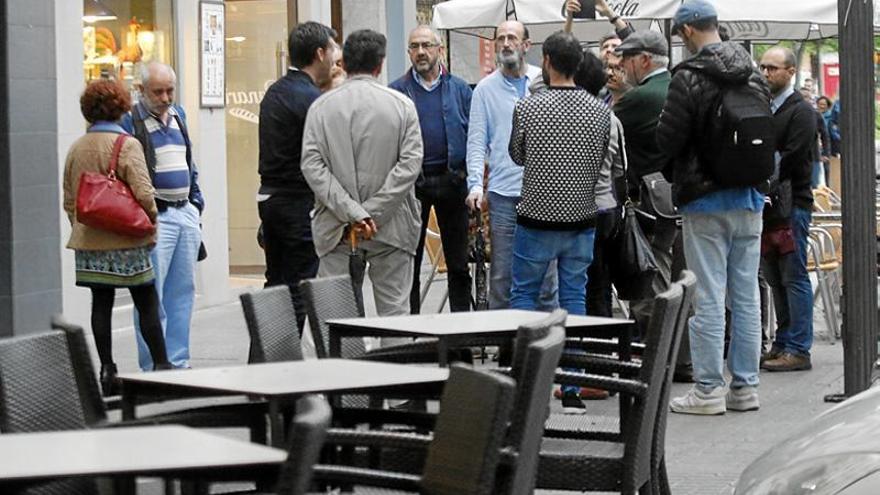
(785, 266)
(643, 59)
(491, 121)
(443, 103)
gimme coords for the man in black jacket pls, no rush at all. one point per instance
(285, 199)
(785, 265)
(721, 225)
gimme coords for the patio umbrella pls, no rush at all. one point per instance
(357, 266)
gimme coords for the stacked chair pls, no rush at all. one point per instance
(587, 453)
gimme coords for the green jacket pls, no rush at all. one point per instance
(639, 111)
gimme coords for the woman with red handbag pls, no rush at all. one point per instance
(108, 197)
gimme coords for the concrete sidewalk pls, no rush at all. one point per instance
(705, 455)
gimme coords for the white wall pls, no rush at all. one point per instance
(207, 128)
(71, 125)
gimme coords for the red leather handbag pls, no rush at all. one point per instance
(107, 203)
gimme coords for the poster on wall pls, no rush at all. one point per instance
(212, 49)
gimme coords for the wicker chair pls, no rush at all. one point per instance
(535, 356)
(608, 427)
(333, 297)
(464, 453)
(38, 392)
(305, 439)
(271, 324)
(247, 414)
(624, 465)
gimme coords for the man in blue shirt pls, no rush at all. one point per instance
(443, 103)
(491, 120)
(160, 126)
(721, 224)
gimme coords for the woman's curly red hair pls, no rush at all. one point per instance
(104, 99)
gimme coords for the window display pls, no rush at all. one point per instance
(119, 35)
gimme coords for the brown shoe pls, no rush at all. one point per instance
(586, 393)
(773, 353)
(788, 362)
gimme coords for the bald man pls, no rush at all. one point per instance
(160, 126)
(443, 103)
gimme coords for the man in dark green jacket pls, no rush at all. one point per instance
(645, 60)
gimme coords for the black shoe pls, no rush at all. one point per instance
(684, 373)
(572, 403)
(109, 382)
(163, 366)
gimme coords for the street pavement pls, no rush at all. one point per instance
(705, 455)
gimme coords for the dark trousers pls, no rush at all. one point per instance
(290, 252)
(147, 304)
(446, 193)
(599, 273)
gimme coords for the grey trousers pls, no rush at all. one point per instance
(390, 270)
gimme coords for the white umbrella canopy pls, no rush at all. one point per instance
(753, 20)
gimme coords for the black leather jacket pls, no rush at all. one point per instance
(681, 132)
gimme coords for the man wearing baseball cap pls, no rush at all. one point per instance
(721, 218)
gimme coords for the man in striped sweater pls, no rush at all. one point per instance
(560, 136)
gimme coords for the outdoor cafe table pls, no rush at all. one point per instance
(165, 451)
(282, 382)
(458, 329)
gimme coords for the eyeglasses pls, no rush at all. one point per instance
(769, 68)
(424, 45)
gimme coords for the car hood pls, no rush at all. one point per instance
(826, 455)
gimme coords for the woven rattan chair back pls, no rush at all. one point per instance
(639, 428)
(688, 283)
(39, 392)
(94, 407)
(537, 350)
(326, 299)
(308, 428)
(271, 324)
(469, 433)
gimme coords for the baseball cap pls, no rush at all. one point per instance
(692, 11)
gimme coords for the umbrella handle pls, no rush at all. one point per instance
(352, 236)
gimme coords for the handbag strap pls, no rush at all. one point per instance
(114, 159)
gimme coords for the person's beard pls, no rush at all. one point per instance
(512, 60)
(425, 66)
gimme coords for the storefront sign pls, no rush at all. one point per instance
(212, 58)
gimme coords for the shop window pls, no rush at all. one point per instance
(120, 35)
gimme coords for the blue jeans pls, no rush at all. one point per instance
(533, 251)
(792, 290)
(502, 225)
(174, 261)
(723, 250)
(818, 174)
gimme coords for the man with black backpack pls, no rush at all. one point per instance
(787, 217)
(717, 130)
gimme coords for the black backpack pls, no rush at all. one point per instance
(741, 140)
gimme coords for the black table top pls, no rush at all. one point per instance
(144, 450)
(463, 323)
(291, 378)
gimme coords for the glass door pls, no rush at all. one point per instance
(255, 54)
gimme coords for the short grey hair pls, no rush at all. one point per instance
(437, 38)
(147, 70)
(659, 60)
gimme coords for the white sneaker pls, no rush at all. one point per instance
(697, 402)
(743, 399)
